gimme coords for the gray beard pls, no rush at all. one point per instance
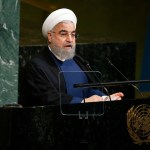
(63, 54)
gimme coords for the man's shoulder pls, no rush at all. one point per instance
(41, 58)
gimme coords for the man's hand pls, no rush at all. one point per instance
(115, 96)
(94, 98)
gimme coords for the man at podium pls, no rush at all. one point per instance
(57, 68)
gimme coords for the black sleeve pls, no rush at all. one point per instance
(42, 86)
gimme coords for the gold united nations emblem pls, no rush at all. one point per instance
(138, 123)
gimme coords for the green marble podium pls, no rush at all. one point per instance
(9, 47)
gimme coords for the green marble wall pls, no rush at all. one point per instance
(9, 48)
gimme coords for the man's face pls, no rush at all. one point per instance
(62, 40)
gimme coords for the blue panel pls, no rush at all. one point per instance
(145, 72)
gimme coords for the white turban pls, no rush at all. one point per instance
(56, 17)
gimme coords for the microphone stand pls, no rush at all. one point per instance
(135, 87)
(79, 85)
(86, 63)
(89, 67)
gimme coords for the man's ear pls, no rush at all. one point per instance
(49, 36)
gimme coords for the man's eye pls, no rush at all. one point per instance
(63, 34)
(73, 34)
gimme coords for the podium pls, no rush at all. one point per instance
(123, 125)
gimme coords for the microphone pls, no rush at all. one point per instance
(86, 63)
(134, 86)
